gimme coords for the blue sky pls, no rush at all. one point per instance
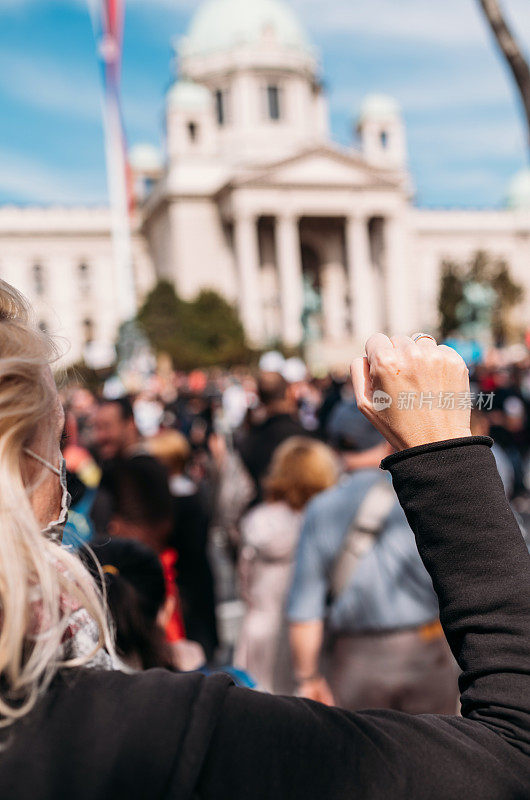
(465, 131)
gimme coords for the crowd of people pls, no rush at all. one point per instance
(242, 522)
(122, 673)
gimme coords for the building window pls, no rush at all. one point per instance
(38, 279)
(383, 138)
(88, 330)
(273, 102)
(84, 278)
(220, 106)
(193, 131)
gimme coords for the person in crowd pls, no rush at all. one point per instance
(71, 730)
(332, 395)
(82, 403)
(79, 530)
(82, 476)
(279, 423)
(141, 503)
(142, 512)
(79, 459)
(189, 538)
(140, 608)
(125, 460)
(137, 602)
(115, 432)
(300, 468)
(480, 426)
(358, 576)
(509, 421)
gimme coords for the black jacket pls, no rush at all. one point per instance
(259, 443)
(159, 735)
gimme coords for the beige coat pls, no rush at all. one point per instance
(270, 534)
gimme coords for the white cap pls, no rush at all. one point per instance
(294, 370)
(273, 361)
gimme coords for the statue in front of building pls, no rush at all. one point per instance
(312, 311)
(475, 312)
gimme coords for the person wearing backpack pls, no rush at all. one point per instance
(363, 614)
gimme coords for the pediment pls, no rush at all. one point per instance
(322, 167)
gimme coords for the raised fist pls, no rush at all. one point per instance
(413, 390)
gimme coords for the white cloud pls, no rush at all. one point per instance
(449, 23)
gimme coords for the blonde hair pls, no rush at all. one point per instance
(38, 578)
(300, 468)
(172, 450)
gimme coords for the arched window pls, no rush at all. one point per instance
(38, 279)
(383, 138)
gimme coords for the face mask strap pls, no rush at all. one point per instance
(55, 529)
(42, 461)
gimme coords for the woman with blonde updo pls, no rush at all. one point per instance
(300, 468)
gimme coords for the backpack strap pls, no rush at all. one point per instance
(362, 534)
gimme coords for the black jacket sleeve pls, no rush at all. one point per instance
(269, 747)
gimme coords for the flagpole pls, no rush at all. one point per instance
(107, 20)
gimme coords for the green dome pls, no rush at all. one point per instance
(518, 197)
(189, 96)
(221, 25)
(380, 107)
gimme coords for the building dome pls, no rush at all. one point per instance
(188, 96)
(221, 25)
(518, 197)
(380, 107)
(145, 158)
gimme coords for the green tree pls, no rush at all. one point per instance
(203, 332)
(451, 294)
(484, 269)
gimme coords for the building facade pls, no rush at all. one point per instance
(315, 243)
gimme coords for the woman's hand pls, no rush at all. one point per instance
(413, 392)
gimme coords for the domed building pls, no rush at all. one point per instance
(258, 203)
(316, 244)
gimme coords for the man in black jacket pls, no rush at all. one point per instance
(279, 423)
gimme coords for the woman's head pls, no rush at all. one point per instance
(172, 450)
(136, 595)
(30, 413)
(300, 468)
(35, 573)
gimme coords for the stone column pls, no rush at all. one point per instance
(334, 290)
(247, 257)
(400, 311)
(289, 260)
(360, 278)
(270, 293)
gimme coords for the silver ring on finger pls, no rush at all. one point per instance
(423, 336)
